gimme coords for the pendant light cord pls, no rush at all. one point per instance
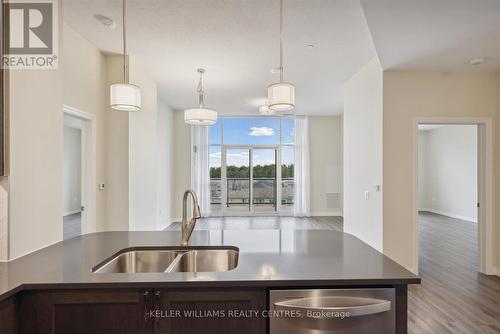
(200, 89)
(281, 41)
(125, 65)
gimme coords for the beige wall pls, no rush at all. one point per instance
(411, 95)
(496, 225)
(182, 162)
(84, 77)
(143, 162)
(35, 218)
(363, 114)
(325, 135)
(165, 168)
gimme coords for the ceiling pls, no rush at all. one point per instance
(236, 41)
(436, 35)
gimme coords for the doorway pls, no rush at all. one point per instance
(453, 193)
(79, 169)
(72, 177)
(251, 179)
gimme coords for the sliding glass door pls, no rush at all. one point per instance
(251, 163)
(264, 180)
(250, 178)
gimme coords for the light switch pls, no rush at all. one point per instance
(367, 194)
(100, 186)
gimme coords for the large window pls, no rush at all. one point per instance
(244, 157)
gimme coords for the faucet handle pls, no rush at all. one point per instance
(197, 212)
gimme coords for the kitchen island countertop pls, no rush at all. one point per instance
(268, 258)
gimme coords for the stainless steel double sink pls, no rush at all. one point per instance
(170, 260)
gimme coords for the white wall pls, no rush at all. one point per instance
(72, 167)
(182, 162)
(416, 95)
(165, 167)
(85, 88)
(143, 159)
(363, 111)
(448, 165)
(325, 165)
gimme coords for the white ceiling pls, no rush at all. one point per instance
(440, 35)
(237, 42)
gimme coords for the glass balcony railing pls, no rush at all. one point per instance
(264, 191)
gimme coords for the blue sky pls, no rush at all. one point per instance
(251, 131)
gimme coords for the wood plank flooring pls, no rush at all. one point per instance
(72, 225)
(453, 297)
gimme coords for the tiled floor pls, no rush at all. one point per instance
(72, 225)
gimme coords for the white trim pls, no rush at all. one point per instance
(326, 214)
(71, 212)
(449, 214)
(485, 186)
(88, 167)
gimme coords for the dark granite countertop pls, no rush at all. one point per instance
(268, 258)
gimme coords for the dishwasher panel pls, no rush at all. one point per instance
(339, 311)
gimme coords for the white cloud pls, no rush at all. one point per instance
(261, 131)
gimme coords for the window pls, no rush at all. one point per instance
(252, 165)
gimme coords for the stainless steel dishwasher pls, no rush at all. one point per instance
(339, 311)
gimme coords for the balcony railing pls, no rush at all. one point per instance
(264, 191)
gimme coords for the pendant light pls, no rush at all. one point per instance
(264, 110)
(125, 96)
(281, 96)
(200, 115)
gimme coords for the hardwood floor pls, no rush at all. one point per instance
(453, 297)
(266, 223)
(72, 225)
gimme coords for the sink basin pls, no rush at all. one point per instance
(169, 260)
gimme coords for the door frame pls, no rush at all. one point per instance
(88, 166)
(224, 211)
(485, 164)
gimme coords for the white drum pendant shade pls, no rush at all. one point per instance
(200, 116)
(281, 96)
(264, 110)
(125, 97)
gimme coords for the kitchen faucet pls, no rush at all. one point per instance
(188, 227)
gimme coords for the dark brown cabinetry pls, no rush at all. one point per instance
(211, 311)
(8, 323)
(84, 311)
(136, 312)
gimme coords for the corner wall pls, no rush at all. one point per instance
(325, 134)
(448, 171)
(415, 95)
(363, 114)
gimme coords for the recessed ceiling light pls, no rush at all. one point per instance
(105, 21)
(476, 61)
(309, 46)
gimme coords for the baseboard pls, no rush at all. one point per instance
(326, 214)
(451, 215)
(71, 213)
(495, 271)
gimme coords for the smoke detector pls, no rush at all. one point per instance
(105, 21)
